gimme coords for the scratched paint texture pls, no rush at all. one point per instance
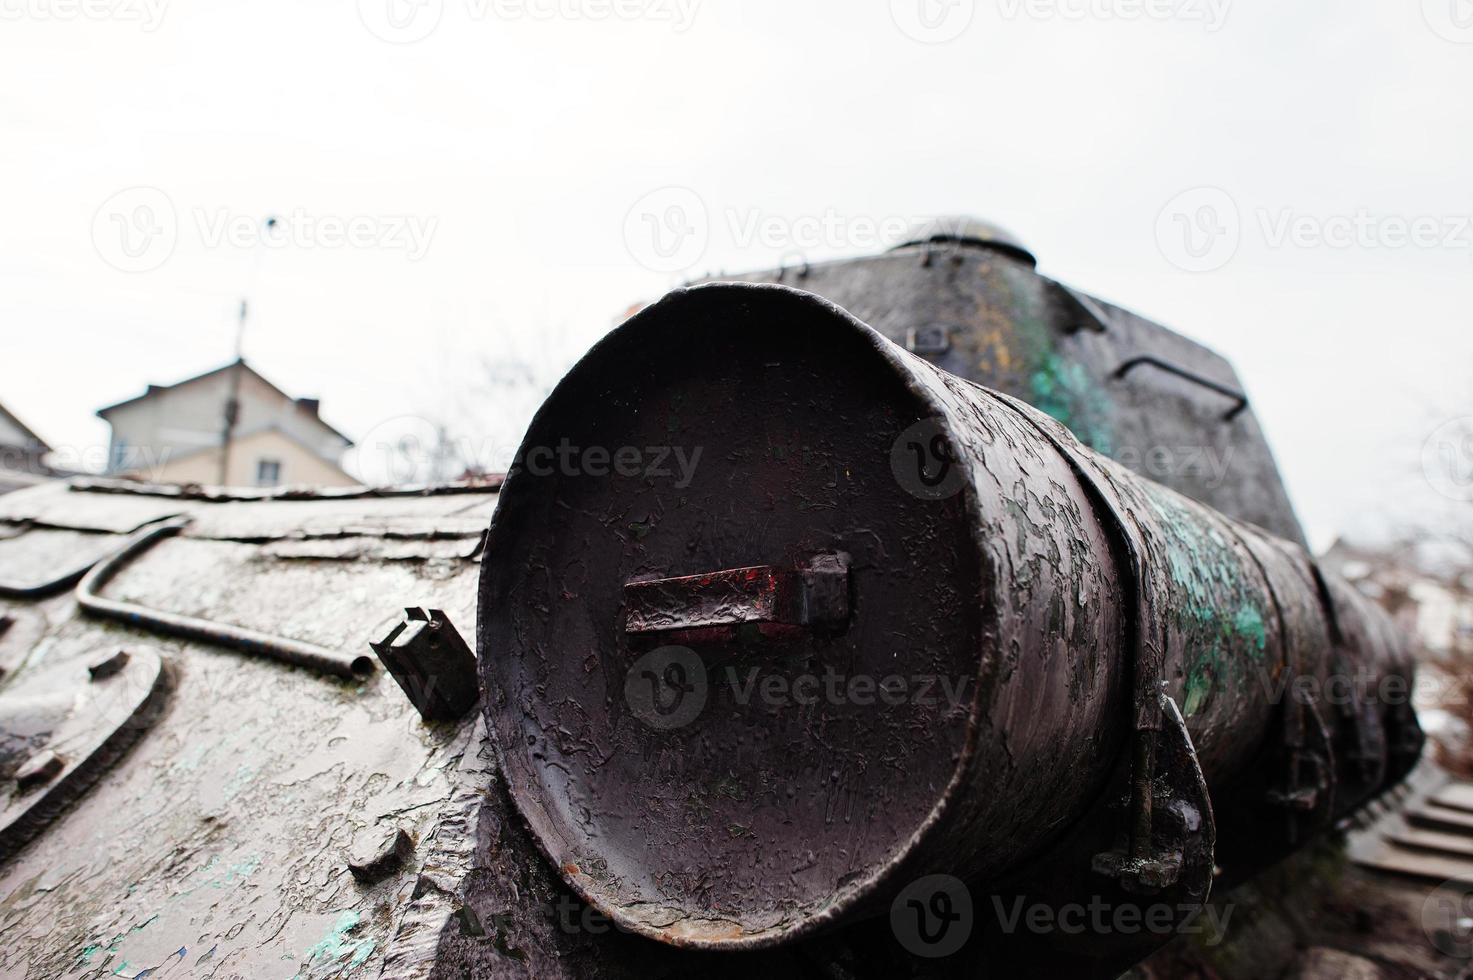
(217, 846)
(1018, 332)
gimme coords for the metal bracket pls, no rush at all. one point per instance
(928, 341)
(1170, 834)
(431, 662)
(1192, 376)
(813, 595)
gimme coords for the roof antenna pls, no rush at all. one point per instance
(232, 401)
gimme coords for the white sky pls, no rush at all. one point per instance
(520, 133)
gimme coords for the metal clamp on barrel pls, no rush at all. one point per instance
(1155, 851)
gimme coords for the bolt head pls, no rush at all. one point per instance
(379, 853)
(39, 770)
(108, 664)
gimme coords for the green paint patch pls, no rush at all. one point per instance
(337, 950)
(1065, 391)
(1249, 624)
(1216, 602)
(1199, 686)
(242, 778)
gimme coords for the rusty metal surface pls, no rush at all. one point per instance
(39, 561)
(1067, 590)
(219, 844)
(1032, 597)
(207, 630)
(58, 756)
(55, 504)
(986, 315)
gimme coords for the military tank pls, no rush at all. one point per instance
(824, 612)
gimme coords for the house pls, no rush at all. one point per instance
(230, 427)
(1429, 597)
(21, 454)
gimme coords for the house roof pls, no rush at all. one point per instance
(25, 430)
(156, 389)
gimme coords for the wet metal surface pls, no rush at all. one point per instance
(1099, 591)
(1032, 600)
(1020, 333)
(217, 845)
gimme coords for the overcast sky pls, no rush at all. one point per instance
(495, 165)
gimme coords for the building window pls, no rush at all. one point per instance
(268, 472)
